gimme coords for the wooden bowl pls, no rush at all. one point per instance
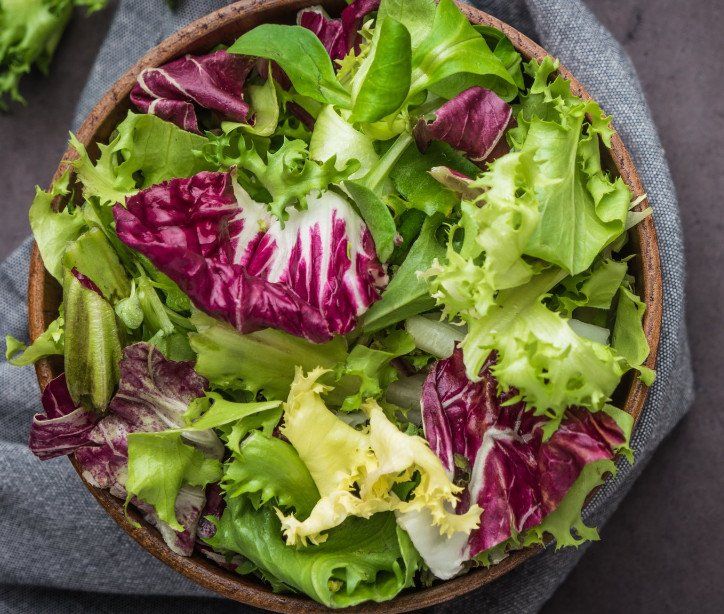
(44, 295)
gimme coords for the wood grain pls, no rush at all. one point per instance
(44, 295)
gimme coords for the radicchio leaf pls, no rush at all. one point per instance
(472, 122)
(63, 427)
(515, 476)
(213, 81)
(311, 278)
(153, 395)
(337, 35)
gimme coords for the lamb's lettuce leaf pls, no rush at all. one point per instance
(411, 178)
(454, 57)
(407, 294)
(376, 215)
(383, 81)
(301, 56)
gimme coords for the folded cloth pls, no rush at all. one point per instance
(61, 553)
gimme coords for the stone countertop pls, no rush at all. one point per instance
(658, 551)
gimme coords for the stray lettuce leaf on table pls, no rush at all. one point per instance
(30, 30)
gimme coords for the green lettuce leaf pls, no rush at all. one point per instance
(54, 230)
(497, 227)
(287, 174)
(360, 560)
(334, 137)
(92, 345)
(146, 150)
(265, 109)
(213, 411)
(30, 30)
(565, 524)
(629, 338)
(407, 294)
(376, 216)
(582, 210)
(286, 482)
(263, 361)
(159, 464)
(594, 288)
(540, 355)
(49, 343)
(371, 364)
(454, 57)
(383, 81)
(301, 56)
(411, 177)
(93, 256)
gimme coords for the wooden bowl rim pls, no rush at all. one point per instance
(196, 36)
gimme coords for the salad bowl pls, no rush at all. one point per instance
(44, 296)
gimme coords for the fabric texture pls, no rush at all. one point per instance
(61, 553)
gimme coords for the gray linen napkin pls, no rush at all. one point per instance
(60, 552)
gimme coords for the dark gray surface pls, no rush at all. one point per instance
(661, 550)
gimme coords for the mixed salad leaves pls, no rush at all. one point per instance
(344, 304)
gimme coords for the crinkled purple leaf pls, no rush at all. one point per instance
(337, 35)
(153, 395)
(213, 81)
(329, 31)
(189, 504)
(63, 427)
(515, 476)
(472, 122)
(311, 278)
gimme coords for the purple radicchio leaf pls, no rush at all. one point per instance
(473, 122)
(304, 116)
(515, 476)
(153, 395)
(213, 81)
(154, 392)
(86, 281)
(63, 427)
(312, 278)
(189, 504)
(337, 35)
